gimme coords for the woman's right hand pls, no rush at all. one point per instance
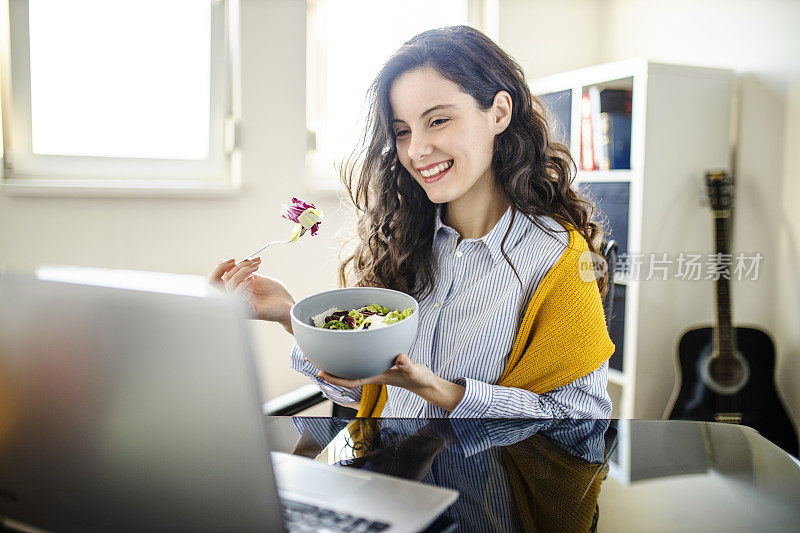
(267, 297)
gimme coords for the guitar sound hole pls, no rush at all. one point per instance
(726, 372)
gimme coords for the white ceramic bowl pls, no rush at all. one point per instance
(354, 354)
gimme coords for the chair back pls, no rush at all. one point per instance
(609, 249)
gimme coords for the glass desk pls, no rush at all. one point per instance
(570, 475)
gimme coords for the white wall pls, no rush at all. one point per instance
(758, 40)
(546, 36)
(551, 36)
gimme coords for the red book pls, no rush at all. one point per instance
(587, 149)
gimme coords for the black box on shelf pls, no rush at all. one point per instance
(559, 114)
(616, 328)
(611, 203)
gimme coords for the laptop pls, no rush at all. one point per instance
(133, 404)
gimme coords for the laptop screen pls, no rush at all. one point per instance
(129, 409)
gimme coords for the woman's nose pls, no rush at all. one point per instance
(419, 146)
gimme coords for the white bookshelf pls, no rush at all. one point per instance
(680, 120)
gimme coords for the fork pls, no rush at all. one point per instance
(264, 248)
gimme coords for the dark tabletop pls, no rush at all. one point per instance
(570, 475)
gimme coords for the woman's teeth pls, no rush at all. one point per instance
(438, 169)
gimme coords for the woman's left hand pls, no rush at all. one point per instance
(412, 376)
(405, 373)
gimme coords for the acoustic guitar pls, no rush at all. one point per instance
(726, 373)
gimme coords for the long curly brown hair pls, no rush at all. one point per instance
(395, 216)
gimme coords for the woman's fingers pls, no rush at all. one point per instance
(400, 366)
(233, 270)
(230, 278)
(341, 382)
(402, 360)
(239, 276)
(215, 277)
(405, 373)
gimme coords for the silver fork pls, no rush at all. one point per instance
(264, 248)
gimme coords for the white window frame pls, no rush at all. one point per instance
(26, 173)
(319, 176)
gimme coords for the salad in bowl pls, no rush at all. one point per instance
(355, 332)
(371, 316)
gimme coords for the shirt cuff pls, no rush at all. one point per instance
(472, 436)
(476, 401)
(301, 364)
(340, 395)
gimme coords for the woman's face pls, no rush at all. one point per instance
(443, 139)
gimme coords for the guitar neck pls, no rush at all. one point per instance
(724, 337)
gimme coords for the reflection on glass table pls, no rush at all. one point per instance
(570, 475)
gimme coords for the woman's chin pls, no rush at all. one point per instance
(438, 195)
(438, 198)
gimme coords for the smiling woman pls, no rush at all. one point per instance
(471, 194)
(465, 204)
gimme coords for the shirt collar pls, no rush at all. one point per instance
(494, 238)
(439, 225)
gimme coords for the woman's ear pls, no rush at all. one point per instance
(501, 111)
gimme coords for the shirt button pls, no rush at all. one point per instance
(459, 253)
(438, 305)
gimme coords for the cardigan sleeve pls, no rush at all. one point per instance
(586, 397)
(563, 335)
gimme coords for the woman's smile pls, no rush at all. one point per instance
(437, 177)
(435, 171)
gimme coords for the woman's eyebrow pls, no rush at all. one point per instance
(429, 111)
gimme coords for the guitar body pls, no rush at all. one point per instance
(757, 402)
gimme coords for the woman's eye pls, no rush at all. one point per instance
(438, 122)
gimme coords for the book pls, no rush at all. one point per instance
(558, 106)
(615, 145)
(594, 111)
(616, 101)
(587, 142)
(609, 116)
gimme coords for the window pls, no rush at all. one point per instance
(347, 42)
(122, 95)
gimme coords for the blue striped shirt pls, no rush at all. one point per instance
(468, 324)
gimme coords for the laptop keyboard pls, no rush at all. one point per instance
(303, 517)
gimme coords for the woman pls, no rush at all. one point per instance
(465, 203)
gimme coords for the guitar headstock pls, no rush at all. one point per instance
(719, 189)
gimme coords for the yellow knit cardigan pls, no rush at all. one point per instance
(562, 337)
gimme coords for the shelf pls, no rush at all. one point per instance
(621, 83)
(620, 278)
(616, 377)
(671, 107)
